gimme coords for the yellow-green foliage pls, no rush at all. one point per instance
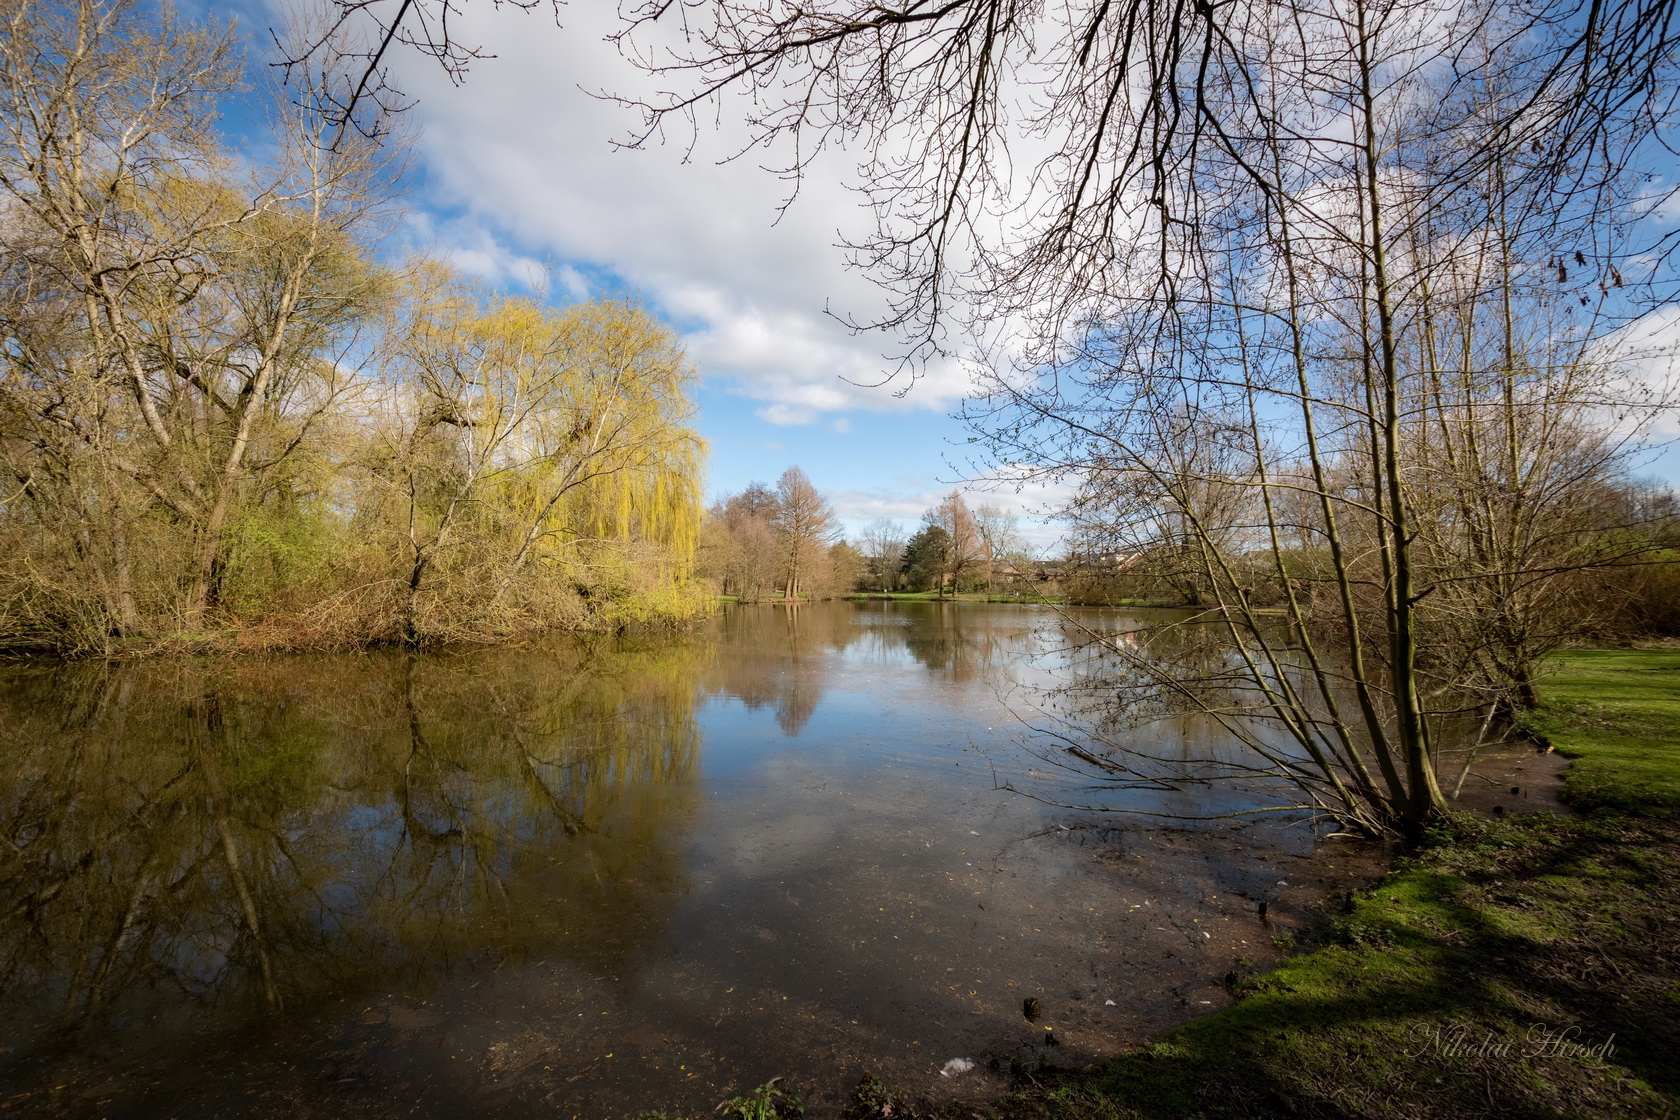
(531, 468)
(609, 425)
(226, 419)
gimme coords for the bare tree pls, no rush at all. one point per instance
(1234, 242)
(357, 37)
(883, 552)
(196, 428)
(999, 540)
(964, 553)
(179, 326)
(1344, 399)
(747, 557)
(804, 524)
(845, 569)
(1260, 215)
(1121, 93)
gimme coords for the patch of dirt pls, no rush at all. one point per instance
(1509, 778)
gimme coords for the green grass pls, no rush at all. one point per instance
(1617, 714)
(1433, 994)
(767, 1102)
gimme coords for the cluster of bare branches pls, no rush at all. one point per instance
(1032, 162)
(1318, 305)
(350, 42)
(782, 539)
(1373, 425)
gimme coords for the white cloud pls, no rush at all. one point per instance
(906, 504)
(520, 148)
(573, 282)
(1644, 357)
(863, 506)
(786, 415)
(475, 251)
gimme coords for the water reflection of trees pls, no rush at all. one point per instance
(261, 830)
(964, 644)
(777, 657)
(1157, 716)
(782, 657)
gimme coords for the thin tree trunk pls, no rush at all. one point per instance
(1424, 799)
(209, 727)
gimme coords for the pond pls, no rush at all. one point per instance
(597, 876)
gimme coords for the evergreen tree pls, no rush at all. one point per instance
(925, 558)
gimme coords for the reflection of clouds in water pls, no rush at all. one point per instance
(1056, 670)
(791, 825)
(788, 659)
(520, 836)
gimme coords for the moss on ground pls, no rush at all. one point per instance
(1527, 967)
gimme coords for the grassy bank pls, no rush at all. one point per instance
(1521, 967)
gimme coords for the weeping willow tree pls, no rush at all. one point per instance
(610, 456)
(533, 467)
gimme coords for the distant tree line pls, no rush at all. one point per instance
(1340, 321)
(955, 550)
(776, 543)
(784, 543)
(1600, 556)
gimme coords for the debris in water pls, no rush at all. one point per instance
(1031, 1008)
(956, 1067)
(1108, 1003)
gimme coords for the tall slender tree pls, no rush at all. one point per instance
(965, 547)
(1281, 263)
(805, 525)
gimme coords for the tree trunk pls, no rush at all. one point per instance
(128, 611)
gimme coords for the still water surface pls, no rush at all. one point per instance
(592, 878)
